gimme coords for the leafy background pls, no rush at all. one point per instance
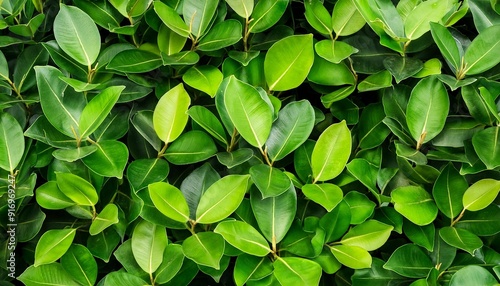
(263, 142)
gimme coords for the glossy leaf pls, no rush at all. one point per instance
(415, 203)
(170, 18)
(327, 195)
(360, 205)
(270, 181)
(296, 270)
(346, 19)
(169, 200)
(481, 223)
(49, 196)
(11, 142)
(446, 44)
(409, 260)
(198, 14)
(52, 245)
(169, 42)
(461, 238)
(148, 241)
(77, 34)
(334, 51)
(318, 17)
(134, 61)
(173, 258)
(77, 189)
(288, 62)
(142, 172)
(402, 67)
(448, 191)
(418, 20)
(481, 194)
(266, 13)
(420, 235)
(377, 275)
(106, 218)
(51, 274)
(79, 262)
(244, 237)
(208, 121)
(485, 144)
(372, 131)
(473, 274)
(251, 268)
(331, 152)
(353, 257)
(244, 8)
(222, 198)
(109, 160)
(204, 78)
(369, 235)
(191, 147)
(221, 35)
(480, 55)
(376, 81)
(204, 248)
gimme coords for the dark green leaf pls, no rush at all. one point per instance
(461, 238)
(80, 264)
(409, 260)
(191, 147)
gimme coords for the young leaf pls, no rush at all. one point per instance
(480, 56)
(417, 21)
(244, 8)
(169, 42)
(11, 142)
(270, 181)
(288, 62)
(369, 235)
(414, 203)
(331, 152)
(222, 198)
(148, 243)
(318, 17)
(77, 34)
(52, 245)
(249, 113)
(205, 78)
(427, 110)
(198, 14)
(80, 264)
(244, 237)
(446, 44)
(346, 19)
(47, 274)
(326, 195)
(49, 196)
(353, 257)
(170, 117)
(106, 218)
(297, 271)
(334, 51)
(481, 194)
(171, 19)
(266, 14)
(169, 201)
(204, 248)
(77, 189)
(98, 108)
(292, 128)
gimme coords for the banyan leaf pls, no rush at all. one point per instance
(346, 19)
(244, 8)
(51, 274)
(266, 14)
(297, 270)
(448, 191)
(480, 55)
(481, 194)
(461, 239)
(169, 200)
(205, 78)
(110, 159)
(191, 147)
(221, 35)
(135, 61)
(106, 218)
(472, 274)
(415, 203)
(79, 262)
(52, 245)
(171, 19)
(485, 144)
(326, 195)
(11, 142)
(409, 260)
(198, 15)
(204, 248)
(244, 237)
(148, 243)
(418, 20)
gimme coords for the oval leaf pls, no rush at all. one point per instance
(270, 181)
(326, 195)
(204, 78)
(169, 201)
(221, 35)
(204, 248)
(77, 189)
(485, 144)
(481, 55)
(52, 245)
(409, 260)
(481, 194)
(297, 271)
(461, 238)
(244, 8)
(106, 218)
(47, 274)
(448, 191)
(109, 160)
(191, 147)
(369, 235)
(198, 15)
(244, 237)
(11, 142)
(415, 203)
(208, 121)
(49, 196)
(135, 61)
(353, 257)
(148, 243)
(80, 263)
(473, 274)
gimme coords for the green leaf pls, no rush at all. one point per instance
(331, 152)
(266, 14)
(420, 235)
(244, 237)
(204, 78)
(288, 62)
(77, 34)
(244, 8)
(123, 278)
(106, 218)
(196, 183)
(4, 67)
(103, 244)
(461, 239)
(77, 189)
(353, 257)
(292, 128)
(222, 198)
(198, 14)
(327, 195)
(24, 74)
(208, 121)
(135, 61)
(376, 81)
(270, 181)
(52, 245)
(148, 243)
(360, 205)
(221, 35)
(171, 19)
(473, 274)
(481, 223)
(485, 144)
(80, 264)
(480, 56)
(446, 44)
(248, 111)
(142, 172)
(372, 131)
(204, 248)
(369, 235)
(169, 200)
(346, 19)
(427, 110)
(483, 14)
(274, 215)
(72, 155)
(170, 114)
(448, 191)
(334, 51)
(478, 104)
(97, 109)
(251, 268)
(173, 258)
(109, 160)
(11, 142)
(29, 224)
(137, 8)
(402, 67)
(235, 158)
(337, 95)
(169, 42)
(180, 59)
(481, 194)
(415, 203)
(49, 196)
(103, 14)
(318, 17)
(376, 275)
(143, 125)
(409, 260)
(47, 274)
(297, 271)
(191, 147)
(418, 20)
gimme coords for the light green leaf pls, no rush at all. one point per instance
(251, 268)
(191, 147)
(170, 114)
(97, 109)
(249, 113)
(472, 274)
(370, 235)
(198, 15)
(222, 198)
(270, 181)
(418, 20)
(346, 19)
(266, 14)
(481, 194)
(221, 35)
(204, 78)
(327, 195)
(148, 243)
(353, 257)
(334, 51)
(244, 8)
(427, 110)
(297, 271)
(106, 218)
(486, 144)
(109, 160)
(171, 19)
(288, 62)
(183, 58)
(415, 203)
(318, 17)
(409, 260)
(80, 264)
(77, 34)
(49, 196)
(360, 205)
(123, 278)
(204, 248)
(446, 44)
(169, 42)
(208, 121)
(169, 201)
(480, 56)
(461, 238)
(77, 189)
(135, 61)
(244, 237)
(52, 245)
(331, 152)
(173, 258)
(47, 274)
(142, 172)
(11, 142)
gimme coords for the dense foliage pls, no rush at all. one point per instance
(267, 142)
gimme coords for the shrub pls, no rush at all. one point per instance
(268, 142)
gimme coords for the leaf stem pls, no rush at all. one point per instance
(453, 222)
